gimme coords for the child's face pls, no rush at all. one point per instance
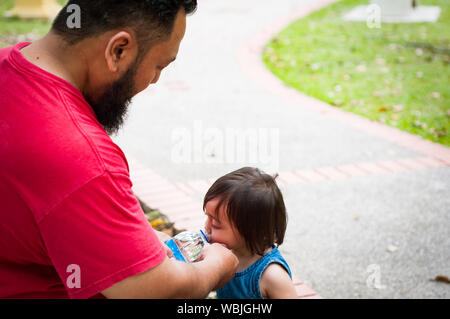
(220, 228)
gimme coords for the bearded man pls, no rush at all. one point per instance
(70, 225)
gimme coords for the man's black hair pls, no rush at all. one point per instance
(151, 20)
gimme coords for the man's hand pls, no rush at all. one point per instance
(163, 237)
(222, 257)
(177, 279)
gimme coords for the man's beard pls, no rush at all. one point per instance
(112, 106)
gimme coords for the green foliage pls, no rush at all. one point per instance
(398, 74)
(13, 30)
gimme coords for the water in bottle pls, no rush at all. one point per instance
(187, 246)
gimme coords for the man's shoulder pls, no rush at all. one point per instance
(67, 168)
(94, 137)
(89, 150)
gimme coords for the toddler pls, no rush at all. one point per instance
(246, 213)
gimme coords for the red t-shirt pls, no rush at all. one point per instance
(70, 225)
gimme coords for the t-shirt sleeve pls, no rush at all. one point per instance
(99, 235)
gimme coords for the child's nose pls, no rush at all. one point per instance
(208, 226)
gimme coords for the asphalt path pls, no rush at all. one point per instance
(378, 236)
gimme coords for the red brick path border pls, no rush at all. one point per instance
(175, 199)
(249, 57)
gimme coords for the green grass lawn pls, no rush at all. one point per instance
(13, 30)
(398, 74)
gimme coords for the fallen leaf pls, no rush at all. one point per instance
(377, 286)
(392, 248)
(417, 124)
(315, 66)
(397, 90)
(440, 133)
(380, 61)
(398, 108)
(157, 222)
(435, 95)
(377, 93)
(393, 46)
(269, 50)
(442, 279)
(361, 68)
(337, 102)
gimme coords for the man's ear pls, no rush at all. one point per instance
(120, 52)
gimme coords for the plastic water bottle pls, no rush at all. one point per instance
(187, 246)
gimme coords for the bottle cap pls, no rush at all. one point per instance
(205, 236)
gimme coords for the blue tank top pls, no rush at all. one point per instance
(245, 284)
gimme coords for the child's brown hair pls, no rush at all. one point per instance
(254, 206)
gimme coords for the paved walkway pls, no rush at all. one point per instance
(368, 205)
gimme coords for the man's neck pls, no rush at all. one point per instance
(49, 55)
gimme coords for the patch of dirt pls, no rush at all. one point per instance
(159, 221)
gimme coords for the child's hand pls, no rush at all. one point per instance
(163, 237)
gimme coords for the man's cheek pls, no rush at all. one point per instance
(143, 83)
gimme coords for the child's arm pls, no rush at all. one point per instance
(275, 283)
